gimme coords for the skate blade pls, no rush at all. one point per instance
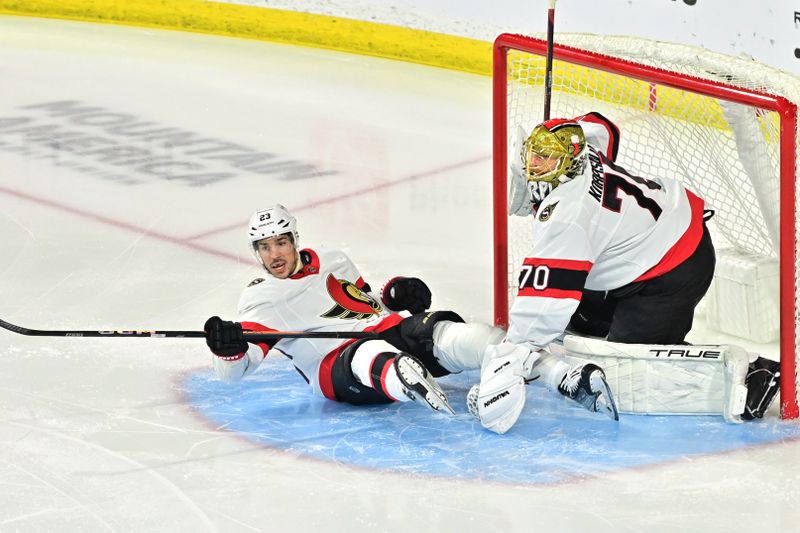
(436, 400)
(443, 405)
(435, 397)
(604, 402)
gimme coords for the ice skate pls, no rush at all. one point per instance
(586, 384)
(763, 383)
(419, 385)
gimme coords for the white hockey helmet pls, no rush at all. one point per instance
(271, 222)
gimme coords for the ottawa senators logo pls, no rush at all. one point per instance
(351, 302)
(547, 212)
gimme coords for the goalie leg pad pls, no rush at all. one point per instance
(669, 379)
(736, 361)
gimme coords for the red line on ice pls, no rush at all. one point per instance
(353, 194)
(187, 241)
(117, 223)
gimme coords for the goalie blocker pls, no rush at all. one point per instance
(682, 379)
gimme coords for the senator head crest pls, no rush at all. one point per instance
(351, 302)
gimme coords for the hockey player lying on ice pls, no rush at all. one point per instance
(313, 290)
(624, 259)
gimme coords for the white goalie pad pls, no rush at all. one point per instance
(670, 379)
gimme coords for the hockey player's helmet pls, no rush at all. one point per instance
(271, 222)
(554, 152)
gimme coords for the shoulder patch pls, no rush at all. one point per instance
(255, 282)
(547, 212)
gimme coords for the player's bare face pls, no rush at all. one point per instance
(539, 165)
(279, 256)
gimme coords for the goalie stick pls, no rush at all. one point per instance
(249, 337)
(548, 70)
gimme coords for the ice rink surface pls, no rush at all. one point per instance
(130, 160)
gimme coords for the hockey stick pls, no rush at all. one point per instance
(250, 337)
(548, 69)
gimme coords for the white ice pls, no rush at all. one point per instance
(95, 435)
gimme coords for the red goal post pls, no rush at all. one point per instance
(725, 126)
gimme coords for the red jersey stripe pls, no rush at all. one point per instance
(551, 293)
(372, 381)
(255, 327)
(384, 388)
(566, 264)
(685, 246)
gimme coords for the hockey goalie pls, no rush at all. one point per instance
(622, 261)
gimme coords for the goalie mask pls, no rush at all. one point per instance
(269, 223)
(554, 153)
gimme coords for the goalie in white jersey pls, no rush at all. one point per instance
(618, 256)
(638, 247)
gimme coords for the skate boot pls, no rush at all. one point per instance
(586, 384)
(419, 385)
(762, 383)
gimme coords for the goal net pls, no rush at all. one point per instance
(726, 127)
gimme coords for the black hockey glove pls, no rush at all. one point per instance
(224, 338)
(410, 294)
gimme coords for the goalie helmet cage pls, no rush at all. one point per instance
(726, 127)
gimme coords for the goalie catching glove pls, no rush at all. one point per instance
(225, 338)
(406, 294)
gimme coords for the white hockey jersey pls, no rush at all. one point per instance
(328, 294)
(602, 230)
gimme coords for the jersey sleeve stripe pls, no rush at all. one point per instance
(566, 264)
(553, 278)
(255, 327)
(551, 293)
(685, 246)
